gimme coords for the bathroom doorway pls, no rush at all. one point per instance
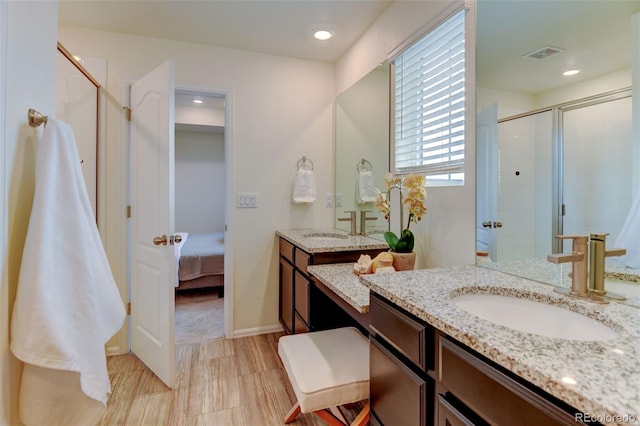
(200, 193)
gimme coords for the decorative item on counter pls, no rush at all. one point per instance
(382, 263)
(412, 197)
(363, 265)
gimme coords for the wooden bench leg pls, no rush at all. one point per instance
(328, 418)
(293, 413)
(363, 417)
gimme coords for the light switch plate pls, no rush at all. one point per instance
(329, 200)
(338, 200)
(247, 200)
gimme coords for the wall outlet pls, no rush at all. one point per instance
(329, 200)
(247, 200)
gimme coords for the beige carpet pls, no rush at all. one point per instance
(199, 315)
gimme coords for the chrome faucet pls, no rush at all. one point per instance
(580, 264)
(597, 254)
(363, 221)
(352, 219)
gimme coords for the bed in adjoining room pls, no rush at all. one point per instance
(201, 261)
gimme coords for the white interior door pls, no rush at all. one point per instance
(153, 266)
(487, 180)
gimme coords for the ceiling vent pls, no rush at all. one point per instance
(543, 53)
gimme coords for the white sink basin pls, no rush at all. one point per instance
(534, 317)
(325, 236)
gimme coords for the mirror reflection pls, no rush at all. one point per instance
(555, 149)
(362, 152)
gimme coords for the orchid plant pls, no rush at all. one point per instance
(412, 197)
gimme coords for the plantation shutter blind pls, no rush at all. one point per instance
(430, 102)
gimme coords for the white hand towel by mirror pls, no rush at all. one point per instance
(304, 187)
(630, 235)
(67, 305)
(365, 187)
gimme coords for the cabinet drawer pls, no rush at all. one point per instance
(399, 397)
(491, 394)
(286, 250)
(403, 332)
(302, 260)
(450, 415)
(302, 295)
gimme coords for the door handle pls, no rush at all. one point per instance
(497, 224)
(486, 224)
(175, 239)
(160, 240)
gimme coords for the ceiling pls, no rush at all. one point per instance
(280, 27)
(595, 36)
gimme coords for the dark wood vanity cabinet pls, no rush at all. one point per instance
(303, 307)
(401, 358)
(420, 376)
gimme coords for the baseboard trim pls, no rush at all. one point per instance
(255, 331)
(115, 350)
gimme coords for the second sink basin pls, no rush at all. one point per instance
(534, 317)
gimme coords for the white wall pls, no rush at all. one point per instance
(27, 80)
(282, 109)
(199, 182)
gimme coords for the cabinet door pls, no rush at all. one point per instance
(301, 284)
(398, 396)
(286, 295)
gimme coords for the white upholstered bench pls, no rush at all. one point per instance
(327, 369)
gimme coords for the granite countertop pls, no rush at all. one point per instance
(341, 279)
(606, 373)
(329, 240)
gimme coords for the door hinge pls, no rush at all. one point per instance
(128, 211)
(129, 308)
(127, 113)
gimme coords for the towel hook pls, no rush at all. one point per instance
(304, 161)
(362, 165)
(36, 119)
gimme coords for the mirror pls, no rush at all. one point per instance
(362, 150)
(546, 171)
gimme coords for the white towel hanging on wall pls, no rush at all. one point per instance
(366, 191)
(67, 304)
(629, 236)
(304, 187)
(304, 184)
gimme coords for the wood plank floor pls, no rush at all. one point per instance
(226, 382)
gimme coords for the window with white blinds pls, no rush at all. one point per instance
(430, 104)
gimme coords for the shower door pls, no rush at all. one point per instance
(525, 186)
(597, 184)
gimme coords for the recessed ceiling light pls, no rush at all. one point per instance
(197, 101)
(570, 72)
(323, 35)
